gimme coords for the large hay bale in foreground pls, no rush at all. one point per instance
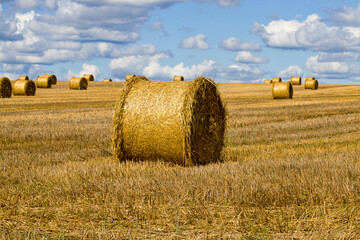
(52, 77)
(129, 77)
(282, 90)
(274, 80)
(177, 121)
(309, 78)
(43, 82)
(107, 80)
(78, 83)
(268, 81)
(178, 78)
(312, 84)
(295, 80)
(5, 87)
(24, 87)
(89, 77)
(23, 78)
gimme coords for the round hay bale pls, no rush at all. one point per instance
(312, 84)
(182, 122)
(129, 77)
(53, 78)
(268, 81)
(274, 80)
(24, 87)
(295, 80)
(78, 83)
(282, 90)
(5, 87)
(43, 82)
(309, 78)
(107, 80)
(89, 77)
(178, 78)
(23, 78)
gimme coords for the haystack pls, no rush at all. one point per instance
(53, 78)
(107, 80)
(78, 83)
(274, 80)
(24, 87)
(23, 78)
(282, 90)
(178, 78)
(89, 77)
(309, 78)
(312, 84)
(5, 87)
(129, 77)
(43, 82)
(268, 81)
(295, 80)
(176, 121)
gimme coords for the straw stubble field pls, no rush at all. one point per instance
(291, 170)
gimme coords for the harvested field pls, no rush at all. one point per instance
(291, 170)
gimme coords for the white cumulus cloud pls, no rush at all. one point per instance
(292, 70)
(338, 57)
(313, 64)
(347, 16)
(86, 69)
(234, 44)
(312, 33)
(157, 26)
(195, 42)
(248, 57)
(150, 66)
(332, 69)
(228, 3)
(26, 4)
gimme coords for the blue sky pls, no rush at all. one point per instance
(228, 40)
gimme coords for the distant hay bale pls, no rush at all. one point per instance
(129, 77)
(53, 78)
(23, 78)
(312, 84)
(107, 80)
(309, 78)
(5, 87)
(24, 87)
(274, 80)
(178, 78)
(177, 121)
(268, 81)
(295, 80)
(89, 77)
(78, 83)
(43, 82)
(282, 90)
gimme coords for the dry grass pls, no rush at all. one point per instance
(291, 171)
